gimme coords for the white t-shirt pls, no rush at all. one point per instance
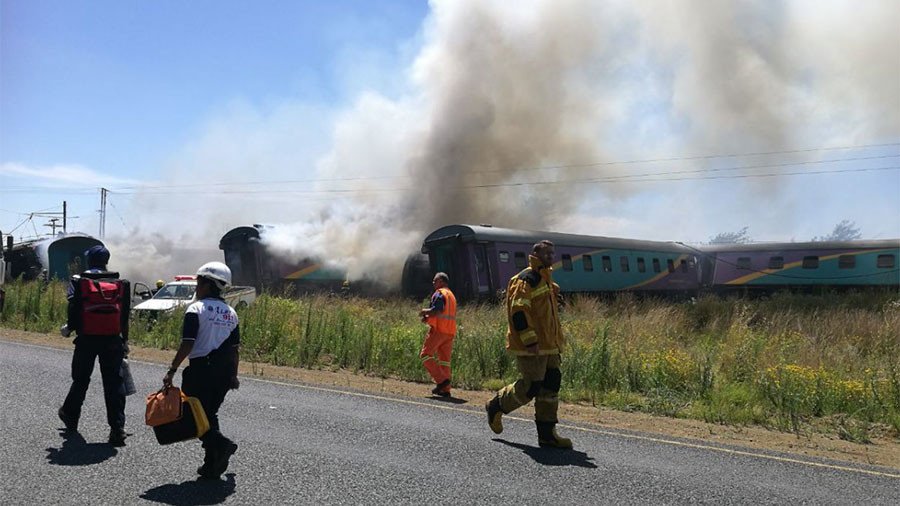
(217, 320)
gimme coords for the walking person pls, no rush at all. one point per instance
(535, 337)
(438, 345)
(98, 307)
(210, 339)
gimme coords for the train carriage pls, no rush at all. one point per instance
(810, 265)
(480, 260)
(253, 264)
(55, 257)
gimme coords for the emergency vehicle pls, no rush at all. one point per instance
(180, 293)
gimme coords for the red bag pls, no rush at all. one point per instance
(163, 406)
(101, 306)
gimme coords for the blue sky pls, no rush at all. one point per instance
(116, 86)
(172, 104)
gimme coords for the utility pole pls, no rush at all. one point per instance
(52, 224)
(103, 192)
(53, 219)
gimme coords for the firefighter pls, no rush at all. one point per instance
(110, 347)
(210, 339)
(438, 345)
(534, 337)
(159, 284)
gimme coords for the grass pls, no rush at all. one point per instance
(825, 362)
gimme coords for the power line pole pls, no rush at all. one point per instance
(53, 219)
(103, 192)
(52, 224)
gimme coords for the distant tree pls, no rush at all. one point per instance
(739, 237)
(846, 230)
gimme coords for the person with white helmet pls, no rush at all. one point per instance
(210, 340)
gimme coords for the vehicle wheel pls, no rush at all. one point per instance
(241, 305)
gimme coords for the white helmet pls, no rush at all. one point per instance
(216, 271)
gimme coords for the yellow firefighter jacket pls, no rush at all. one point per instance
(532, 312)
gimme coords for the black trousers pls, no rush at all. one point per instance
(209, 380)
(110, 351)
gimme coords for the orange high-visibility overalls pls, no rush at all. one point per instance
(438, 344)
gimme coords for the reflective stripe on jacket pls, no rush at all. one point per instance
(445, 321)
(533, 295)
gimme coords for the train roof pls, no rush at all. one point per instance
(240, 233)
(490, 233)
(792, 246)
(46, 241)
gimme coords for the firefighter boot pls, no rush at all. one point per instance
(547, 436)
(495, 415)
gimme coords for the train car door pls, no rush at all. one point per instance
(444, 262)
(482, 271)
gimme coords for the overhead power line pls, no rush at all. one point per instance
(608, 180)
(166, 189)
(584, 165)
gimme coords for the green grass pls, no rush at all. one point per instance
(824, 362)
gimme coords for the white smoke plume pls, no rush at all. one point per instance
(506, 94)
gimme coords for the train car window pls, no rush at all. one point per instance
(642, 267)
(684, 266)
(811, 262)
(886, 261)
(504, 256)
(743, 263)
(776, 262)
(623, 263)
(567, 262)
(607, 264)
(847, 262)
(587, 263)
(656, 265)
(520, 260)
(670, 265)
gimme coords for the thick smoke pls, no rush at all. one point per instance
(148, 257)
(504, 95)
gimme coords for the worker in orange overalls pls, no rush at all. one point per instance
(441, 320)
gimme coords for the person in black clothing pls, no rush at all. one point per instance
(109, 349)
(210, 339)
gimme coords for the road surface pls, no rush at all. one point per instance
(302, 444)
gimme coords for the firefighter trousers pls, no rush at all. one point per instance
(539, 379)
(435, 355)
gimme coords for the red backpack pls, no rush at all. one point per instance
(103, 302)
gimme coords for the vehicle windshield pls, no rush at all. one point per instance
(175, 292)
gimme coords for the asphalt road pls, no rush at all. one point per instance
(302, 444)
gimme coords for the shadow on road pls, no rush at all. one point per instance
(449, 400)
(75, 451)
(552, 456)
(192, 493)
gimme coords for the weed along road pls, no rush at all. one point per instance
(304, 444)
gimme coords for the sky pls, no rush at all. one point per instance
(360, 126)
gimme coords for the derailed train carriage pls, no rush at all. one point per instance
(252, 263)
(55, 257)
